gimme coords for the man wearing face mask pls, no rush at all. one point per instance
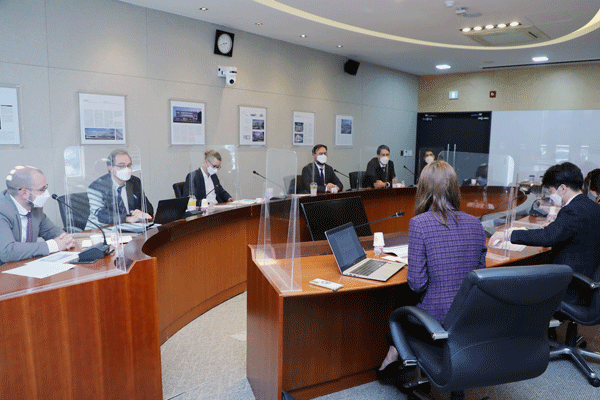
(575, 234)
(22, 219)
(204, 183)
(319, 172)
(380, 170)
(118, 187)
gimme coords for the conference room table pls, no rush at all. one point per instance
(95, 331)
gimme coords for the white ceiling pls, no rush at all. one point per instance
(407, 35)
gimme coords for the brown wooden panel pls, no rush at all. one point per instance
(84, 341)
(264, 332)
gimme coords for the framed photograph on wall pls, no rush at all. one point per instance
(253, 126)
(344, 125)
(187, 123)
(303, 128)
(102, 119)
(10, 125)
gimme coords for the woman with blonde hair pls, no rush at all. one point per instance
(444, 244)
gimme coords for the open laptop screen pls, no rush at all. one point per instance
(345, 245)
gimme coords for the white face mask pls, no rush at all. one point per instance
(384, 160)
(40, 200)
(211, 170)
(124, 174)
(322, 159)
(556, 198)
(429, 159)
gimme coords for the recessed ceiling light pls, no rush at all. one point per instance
(477, 28)
(258, 23)
(501, 25)
(302, 36)
(203, 9)
(489, 27)
(515, 23)
(443, 66)
(339, 46)
(539, 59)
(466, 29)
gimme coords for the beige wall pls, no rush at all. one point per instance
(571, 87)
(54, 49)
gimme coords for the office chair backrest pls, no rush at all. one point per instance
(178, 189)
(581, 303)
(80, 202)
(498, 325)
(289, 183)
(357, 179)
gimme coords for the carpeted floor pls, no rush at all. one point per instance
(207, 360)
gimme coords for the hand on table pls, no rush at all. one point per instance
(138, 216)
(64, 241)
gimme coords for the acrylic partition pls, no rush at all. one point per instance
(227, 175)
(92, 182)
(439, 153)
(278, 248)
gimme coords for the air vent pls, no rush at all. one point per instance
(507, 36)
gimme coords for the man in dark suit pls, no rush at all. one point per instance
(321, 173)
(117, 196)
(575, 234)
(22, 219)
(380, 170)
(204, 183)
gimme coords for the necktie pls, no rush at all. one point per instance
(322, 176)
(120, 203)
(29, 228)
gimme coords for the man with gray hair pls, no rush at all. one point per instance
(117, 197)
(22, 219)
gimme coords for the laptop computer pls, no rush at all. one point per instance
(352, 259)
(170, 210)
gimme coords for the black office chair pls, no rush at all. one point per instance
(581, 305)
(495, 332)
(178, 189)
(358, 179)
(78, 220)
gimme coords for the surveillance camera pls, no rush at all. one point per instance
(229, 73)
(230, 78)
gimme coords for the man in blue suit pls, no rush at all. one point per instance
(575, 234)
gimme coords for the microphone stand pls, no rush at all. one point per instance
(398, 214)
(412, 173)
(95, 252)
(275, 183)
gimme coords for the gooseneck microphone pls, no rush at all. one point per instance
(501, 205)
(398, 214)
(211, 190)
(413, 174)
(95, 252)
(341, 173)
(275, 183)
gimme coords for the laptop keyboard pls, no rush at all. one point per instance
(368, 267)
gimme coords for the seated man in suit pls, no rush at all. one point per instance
(117, 186)
(199, 184)
(380, 170)
(22, 219)
(575, 234)
(319, 172)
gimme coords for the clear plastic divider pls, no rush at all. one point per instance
(278, 248)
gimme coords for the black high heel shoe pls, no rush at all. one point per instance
(390, 374)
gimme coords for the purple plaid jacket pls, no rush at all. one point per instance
(440, 257)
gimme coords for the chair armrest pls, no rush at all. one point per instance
(431, 324)
(584, 279)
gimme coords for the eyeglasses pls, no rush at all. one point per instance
(121, 166)
(213, 165)
(42, 190)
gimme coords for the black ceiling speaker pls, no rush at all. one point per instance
(351, 67)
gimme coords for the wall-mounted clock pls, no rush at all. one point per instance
(224, 43)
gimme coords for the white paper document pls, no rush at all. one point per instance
(400, 251)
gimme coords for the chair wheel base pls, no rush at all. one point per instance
(595, 382)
